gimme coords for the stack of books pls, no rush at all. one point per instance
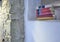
(44, 14)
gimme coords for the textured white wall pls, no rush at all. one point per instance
(1, 23)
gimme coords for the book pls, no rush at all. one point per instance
(44, 14)
(47, 15)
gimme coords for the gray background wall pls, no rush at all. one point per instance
(32, 7)
(49, 1)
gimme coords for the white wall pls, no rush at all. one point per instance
(39, 31)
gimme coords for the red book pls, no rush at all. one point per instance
(47, 15)
(45, 9)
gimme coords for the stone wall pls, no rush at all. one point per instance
(17, 20)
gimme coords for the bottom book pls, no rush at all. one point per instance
(45, 18)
